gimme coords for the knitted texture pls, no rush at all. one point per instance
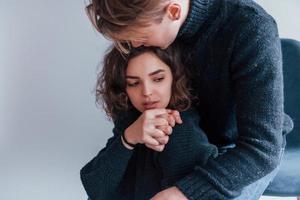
(236, 62)
(119, 173)
(233, 51)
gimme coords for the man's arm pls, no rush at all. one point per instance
(258, 90)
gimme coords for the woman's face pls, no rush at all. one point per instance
(148, 82)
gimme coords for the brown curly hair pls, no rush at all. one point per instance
(111, 81)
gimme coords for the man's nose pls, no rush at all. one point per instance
(136, 44)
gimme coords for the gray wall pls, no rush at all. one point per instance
(49, 124)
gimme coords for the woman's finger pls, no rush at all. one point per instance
(166, 129)
(157, 133)
(160, 122)
(159, 148)
(153, 113)
(171, 119)
(176, 115)
(150, 140)
(163, 140)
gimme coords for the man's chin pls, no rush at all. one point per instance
(165, 47)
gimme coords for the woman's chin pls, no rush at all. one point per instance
(155, 106)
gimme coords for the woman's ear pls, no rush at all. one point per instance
(174, 11)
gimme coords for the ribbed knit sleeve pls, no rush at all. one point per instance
(256, 77)
(102, 176)
(188, 146)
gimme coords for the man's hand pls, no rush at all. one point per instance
(172, 193)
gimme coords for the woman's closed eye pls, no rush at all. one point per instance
(136, 83)
(133, 84)
(158, 79)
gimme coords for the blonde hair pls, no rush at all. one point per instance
(114, 17)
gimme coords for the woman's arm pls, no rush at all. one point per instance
(103, 174)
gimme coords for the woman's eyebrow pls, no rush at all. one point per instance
(132, 77)
(150, 74)
(156, 72)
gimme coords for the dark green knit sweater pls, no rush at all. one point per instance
(236, 61)
(233, 50)
(117, 173)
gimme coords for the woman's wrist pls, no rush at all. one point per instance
(126, 145)
(127, 140)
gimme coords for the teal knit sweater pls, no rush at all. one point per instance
(117, 173)
(234, 54)
(233, 50)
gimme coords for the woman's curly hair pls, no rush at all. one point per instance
(111, 81)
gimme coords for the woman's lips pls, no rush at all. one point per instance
(150, 105)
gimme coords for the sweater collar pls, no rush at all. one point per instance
(199, 12)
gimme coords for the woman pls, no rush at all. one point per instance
(143, 87)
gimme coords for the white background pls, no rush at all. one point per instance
(49, 124)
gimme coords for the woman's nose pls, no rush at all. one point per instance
(147, 90)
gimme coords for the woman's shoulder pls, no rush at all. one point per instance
(190, 117)
(190, 113)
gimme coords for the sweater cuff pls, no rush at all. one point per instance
(119, 153)
(114, 156)
(195, 186)
(195, 189)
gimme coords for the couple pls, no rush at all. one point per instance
(206, 123)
